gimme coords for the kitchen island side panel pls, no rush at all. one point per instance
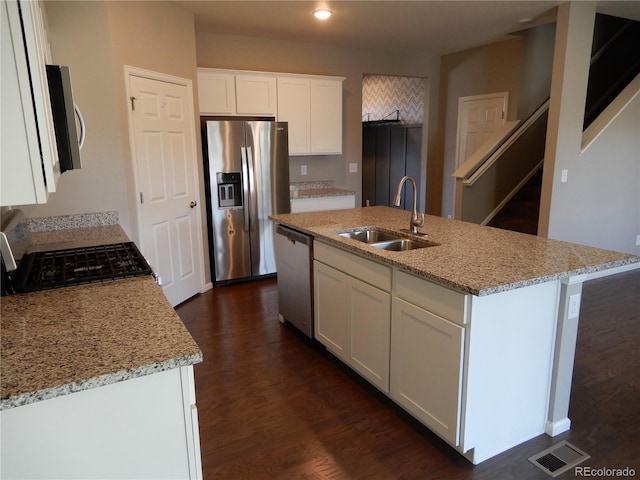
(508, 368)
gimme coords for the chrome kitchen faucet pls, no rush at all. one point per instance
(415, 221)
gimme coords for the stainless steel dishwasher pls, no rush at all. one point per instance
(294, 262)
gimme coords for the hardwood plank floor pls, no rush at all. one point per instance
(275, 405)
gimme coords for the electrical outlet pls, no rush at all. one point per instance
(353, 168)
(565, 174)
(574, 306)
(303, 170)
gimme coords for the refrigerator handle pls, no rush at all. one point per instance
(245, 187)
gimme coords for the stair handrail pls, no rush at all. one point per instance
(484, 151)
(486, 165)
(609, 114)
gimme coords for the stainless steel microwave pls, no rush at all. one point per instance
(69, 134)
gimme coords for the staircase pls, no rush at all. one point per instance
(614, 63)
(522, 211)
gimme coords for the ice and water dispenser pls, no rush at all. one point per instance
(229, 189)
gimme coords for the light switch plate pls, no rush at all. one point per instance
(353, 168)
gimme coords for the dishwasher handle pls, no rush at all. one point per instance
(294, 235)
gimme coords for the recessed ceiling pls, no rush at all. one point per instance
(433, 27)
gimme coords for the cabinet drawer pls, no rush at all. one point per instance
(373, 273)
(442, 301)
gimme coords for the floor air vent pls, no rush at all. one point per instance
(559, 458)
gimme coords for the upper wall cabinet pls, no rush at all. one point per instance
(227, 92)
(29, 158)
(313, 108)
(312, 105)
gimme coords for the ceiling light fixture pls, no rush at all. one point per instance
(322, 13)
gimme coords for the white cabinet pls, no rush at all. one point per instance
(331, 310)
(29, 158)
(313, 108)
(369, 332)
(352, 317)
(427, 353)
(145, 427)
(227, 92)
(312, 105)
(216, 92)
(294, 107)
(326, 116)
(476, 370)
(319, 204)
(256, 94)
(426, 367)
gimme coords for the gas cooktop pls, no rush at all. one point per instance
(77, 266)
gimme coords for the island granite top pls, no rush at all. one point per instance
(61, 341)
(469, 258)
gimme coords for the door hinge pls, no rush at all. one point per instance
(133, 99)
(141, 198)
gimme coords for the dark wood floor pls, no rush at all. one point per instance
(274, 405)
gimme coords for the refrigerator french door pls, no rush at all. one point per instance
(247, 179)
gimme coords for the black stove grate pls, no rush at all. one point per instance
(77, 266)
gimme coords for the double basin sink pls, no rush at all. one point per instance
(386, 240)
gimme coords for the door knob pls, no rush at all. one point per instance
(193, 204)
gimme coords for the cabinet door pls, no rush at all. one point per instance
(319, 204)
(426, 368)
(326, 116)
(30, 166)
(330, 308)
(255, 95)
(369, 332)
(294, 107)
(216, 93)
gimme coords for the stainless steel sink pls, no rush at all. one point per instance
(402, 244)
(370, 235)
(385, 240)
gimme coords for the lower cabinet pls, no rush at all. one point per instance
(476, 370)
(331, 308)
(427, 355)
(146, 427)
(319, 204)
(352, 317)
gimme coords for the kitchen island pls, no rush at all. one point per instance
(474, 335)
(97, 379)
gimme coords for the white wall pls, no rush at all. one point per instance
(97, 39)
(599, 204)
(80, 36)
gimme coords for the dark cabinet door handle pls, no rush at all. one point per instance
(193, 204)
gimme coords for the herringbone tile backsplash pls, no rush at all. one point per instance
(382, 95)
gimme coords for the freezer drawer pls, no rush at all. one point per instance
(294, 259)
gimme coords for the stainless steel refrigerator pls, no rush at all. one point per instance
(247, 179)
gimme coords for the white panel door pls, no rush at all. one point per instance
(165, 159)
(478, 118)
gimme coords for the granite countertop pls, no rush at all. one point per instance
(320, 192)
(317, 189)
(66, 340)
(469, 258)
